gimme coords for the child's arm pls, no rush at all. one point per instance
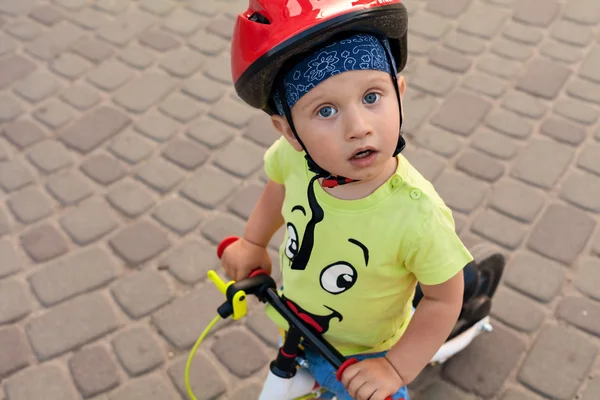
(429, 328)
(250, 251)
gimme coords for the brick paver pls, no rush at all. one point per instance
(125, 157)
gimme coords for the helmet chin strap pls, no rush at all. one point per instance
(330, 180)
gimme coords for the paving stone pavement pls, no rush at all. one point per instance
(125, 156)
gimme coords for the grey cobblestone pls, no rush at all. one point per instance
(46, 14)
(433, 80)
(517, 200)
(222, 27)
(186, 154)
(535, 276)
(89, 221)
(449, 60)
(103, 169)
(139, 242)
(509, 123)
(221, 185)
(138, 350)
(557, 378)
(15, 351)
(486, 85)
(89, 18)
(130, 197)
(37, 86)
(514, 394)
(203, 89)
(14, 175)
(583, 11)
(479, 166)
(232, 112)
(139, 95)
(498, 228)
(210, 132)
(417, 107)
(182, 63)
(205, 380)
(191, 261)
(587, 276)
(460, 191)
(136, 57)
(180, 107)
(263, 327)
(184, 22)
(560, 52)
(71, 4)
(131, 148)
(497, 66)
(517, 311)
(524, 104)
(49, 156)
(152, 387)
(55, 41)
(157, 127)
(583, 190)
(173, 321)
(177, 215)
(511, 50)
(14, 68)
(10, 261)
(53, 113)
(580, 312)
(30, 205)
(99, 125)
(472, 108)
(81, 97)
(219, 68)
(571, 33)
(218, 228)
(590, 67)
(463, 43)
(544, 78)
(43, 243)
(94, 371)
(68, 187)
(251, 390)
(429, 26)
(593, 389)
(157, 7)
(442, 389)
(14, 301)
(114, 7)
(563, 131)
(420, 46)
(141, 293)
(23, 133)
(71, 325)
(542, 162)
(240, 157)
(159, 41)
(10, 108)
(243, 359)
(577, 111)
(584, 90)
(494, 144)
(73, 275)
(159, 175)
(429, 165)
(46, 382)
(125, 27)
(522, 33)
(536, 12)
(206, 43)
(110, 75)
(563, 244)
(7, 45)
(482, 20)
(24, 30)
(467, 369)
(96, 52)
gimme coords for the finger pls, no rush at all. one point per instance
(350, 373)
(355, 384)
(380, 395)
(366, 391)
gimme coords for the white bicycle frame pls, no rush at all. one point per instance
(304, 386)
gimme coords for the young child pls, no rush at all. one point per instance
(363, 227)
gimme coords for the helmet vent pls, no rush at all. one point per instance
(258, 17)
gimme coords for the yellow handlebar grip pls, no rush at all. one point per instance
(219, 283)
(240, 307)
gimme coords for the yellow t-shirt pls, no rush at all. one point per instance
(364, 256)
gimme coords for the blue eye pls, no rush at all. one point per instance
(327, 112)
(372, 98)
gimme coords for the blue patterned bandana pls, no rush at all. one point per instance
(356, 52)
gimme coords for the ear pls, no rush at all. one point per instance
(281, 125)
(401, 85)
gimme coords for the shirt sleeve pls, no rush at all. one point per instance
(437, 253)
(272, 160)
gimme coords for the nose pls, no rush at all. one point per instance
(357, 125)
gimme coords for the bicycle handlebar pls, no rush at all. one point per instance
(262, 285)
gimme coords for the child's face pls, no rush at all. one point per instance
(345, 115)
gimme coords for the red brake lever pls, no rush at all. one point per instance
(232, 239)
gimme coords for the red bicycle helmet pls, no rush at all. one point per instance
(270, 32)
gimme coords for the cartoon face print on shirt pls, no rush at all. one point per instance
(334, 278)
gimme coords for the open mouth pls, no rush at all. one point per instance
(363, 153)
(320, 323)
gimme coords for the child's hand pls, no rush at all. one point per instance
(371, 379)
(241, 257)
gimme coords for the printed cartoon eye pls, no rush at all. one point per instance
(371, 98)
(338, 277)
(327, 111)
(291, 247)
